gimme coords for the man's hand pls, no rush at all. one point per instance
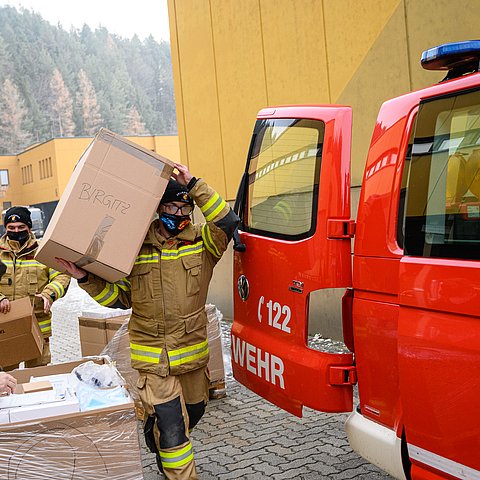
(47, 302)
(183, 176)
(7, 383)
(5, 305)
(72, 269)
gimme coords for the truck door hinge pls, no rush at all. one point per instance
(340, 228)
(343, 375)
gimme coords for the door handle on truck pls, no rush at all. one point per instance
(340, 228)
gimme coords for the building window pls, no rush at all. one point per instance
(45, 167)
(4, 178)
(27, 174)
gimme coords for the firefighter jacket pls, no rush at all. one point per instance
(26, 277)
(167, 289)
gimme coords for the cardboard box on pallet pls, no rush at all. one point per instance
(20, 335)
(113, 324)
(98, 328)
(98, 444)
(104, 213)
(93, 335)
(216, 364)
(118, 349)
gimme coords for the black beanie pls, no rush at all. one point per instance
(175, 192)
(18, 214)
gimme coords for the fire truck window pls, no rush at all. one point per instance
(403, 192)
(442, 217)
(284, 171)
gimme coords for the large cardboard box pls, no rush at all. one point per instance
(93, 335)
(20, 335)
(118, 349)
(112, 325)
(97, 329)
(216, 365)
(95, 445)
(104, 213)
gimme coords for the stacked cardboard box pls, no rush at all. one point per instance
(113, 324)
(118, 349)
(216, 364)
(98, 327)
(97, 444)
(93, 336)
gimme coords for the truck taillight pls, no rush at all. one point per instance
(347, 318)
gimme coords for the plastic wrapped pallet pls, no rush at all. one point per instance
(215, 364)
(97, 327)
(101, 443)
(118, 349)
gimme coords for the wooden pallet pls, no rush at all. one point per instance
(217, 390)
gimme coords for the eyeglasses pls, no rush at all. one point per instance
(173, 209)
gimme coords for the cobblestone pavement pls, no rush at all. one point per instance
(241, 436)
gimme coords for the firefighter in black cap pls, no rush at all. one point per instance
(25, 277)
(167, 290)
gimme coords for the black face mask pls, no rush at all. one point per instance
(20, 237)
(174, 224)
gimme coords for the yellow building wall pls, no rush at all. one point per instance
(33, 189)
(166, 146)
(64, 154)
(233, 57)
(9, 162)
(67, 152)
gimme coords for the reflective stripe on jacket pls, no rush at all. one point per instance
(26, 277)
(167, 289)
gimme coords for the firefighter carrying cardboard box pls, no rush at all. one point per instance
(167, 291)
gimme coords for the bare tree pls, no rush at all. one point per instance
(61, 107)
(135, 125)
(13, 137)
(88, 105)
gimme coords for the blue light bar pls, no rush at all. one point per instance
(452, 56)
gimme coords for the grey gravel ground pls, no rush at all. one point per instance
(241, 436)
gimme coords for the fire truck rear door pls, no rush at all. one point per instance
(295, 237)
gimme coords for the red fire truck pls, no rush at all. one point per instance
(411, 308)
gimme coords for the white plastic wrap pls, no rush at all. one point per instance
(118, 349)
(216, 364)
(99, 386)
(103, 375)
(101, 444)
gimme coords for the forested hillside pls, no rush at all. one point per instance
(55, 83)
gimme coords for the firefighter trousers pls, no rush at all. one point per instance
(173, 406)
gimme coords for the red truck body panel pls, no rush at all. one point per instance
(416, 319)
